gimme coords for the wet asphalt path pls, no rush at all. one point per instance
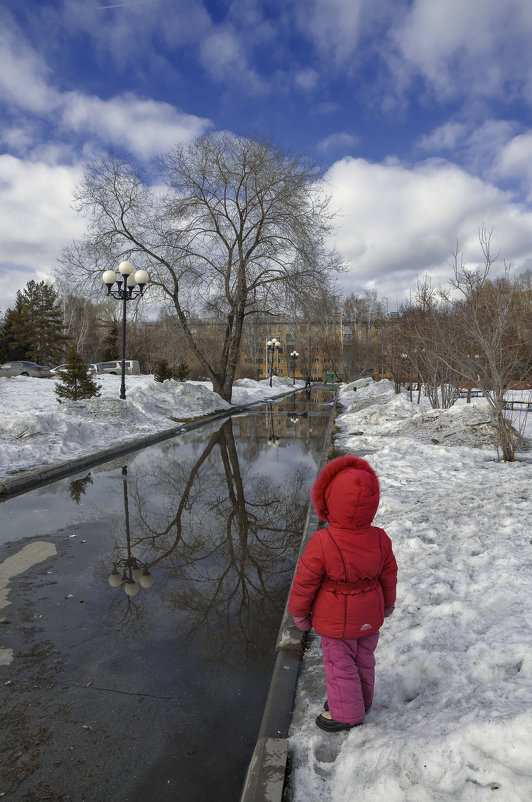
(160, 695)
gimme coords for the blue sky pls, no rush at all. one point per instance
(419, 112)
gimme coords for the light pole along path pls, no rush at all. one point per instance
(270, 346)
(128, 287)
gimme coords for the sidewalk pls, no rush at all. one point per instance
(452, 713)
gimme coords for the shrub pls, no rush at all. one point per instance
(163, 371)
(182, 372)
(76, 383)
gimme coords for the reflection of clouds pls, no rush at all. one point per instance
(220, 529)
(222, 537)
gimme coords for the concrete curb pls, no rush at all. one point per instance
(29, 480)
(267, 769)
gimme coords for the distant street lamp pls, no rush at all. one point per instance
(129, 287)
(272, 345)
(133, 573)
(294, 356)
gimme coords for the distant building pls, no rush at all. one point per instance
(325, 347)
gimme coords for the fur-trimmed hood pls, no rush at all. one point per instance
(346, 493)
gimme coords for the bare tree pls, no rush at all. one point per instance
(83, 323)
(487, 351)
(424, 335)
(240, 228)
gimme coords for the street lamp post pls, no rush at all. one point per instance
(294, 356)
(129, 286)
(271, 345)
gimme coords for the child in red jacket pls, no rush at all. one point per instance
(344, 587)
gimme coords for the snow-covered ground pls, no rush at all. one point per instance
(36, 430)
(452, 715)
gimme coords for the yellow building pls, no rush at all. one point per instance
(322, 346)
(318, 347)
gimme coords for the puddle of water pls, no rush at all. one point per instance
(170, 682)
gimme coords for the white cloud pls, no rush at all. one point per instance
(464, 47)
(306, 79)
(445, 137)
(223, 55)
(23, 76)
(333, 25)
(19, 138)
(144, 127)
(129, 37)
(35, 220)
(338, 141)
(477, 146)
(225, 42)
(397, 223)
(515, 159)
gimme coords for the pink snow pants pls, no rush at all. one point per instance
(349, 676)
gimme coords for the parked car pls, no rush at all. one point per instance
(132, 367)
(23, 368)
(92, 369)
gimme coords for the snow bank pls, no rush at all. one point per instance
(377, 410)
(174, 400)
(452, 715)
(245, 390)
(36, 430)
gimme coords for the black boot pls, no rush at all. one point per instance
(327, 723)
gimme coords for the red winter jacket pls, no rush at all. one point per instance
(347, 573)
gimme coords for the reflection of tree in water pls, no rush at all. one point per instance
(294, 420)
(230, 541)
(78, 486)
(125, 612)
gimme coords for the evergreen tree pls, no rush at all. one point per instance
(163, 371)
(3, 342)
(182, 372)
(34, 328)
(111, 343)
(76, 383)
(12, 348)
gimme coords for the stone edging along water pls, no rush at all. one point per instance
(267, 769)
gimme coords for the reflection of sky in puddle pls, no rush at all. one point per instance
(197, 645)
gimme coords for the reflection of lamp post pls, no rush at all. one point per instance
(133, 573)
(294, 355)
(271, 345)
(133, 286)
(272, 439)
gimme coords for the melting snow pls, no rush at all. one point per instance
(36, 430)
(452, 716)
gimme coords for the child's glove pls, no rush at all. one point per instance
(389, 610)
(302, 622)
